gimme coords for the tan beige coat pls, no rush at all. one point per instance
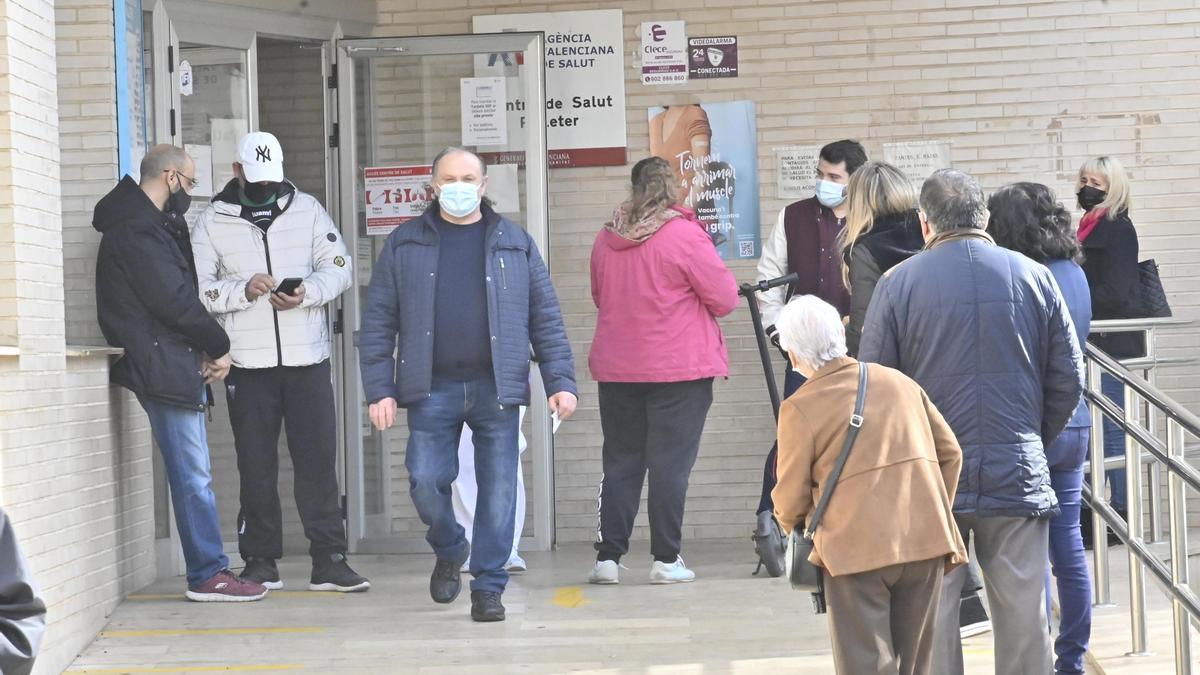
(892, 504)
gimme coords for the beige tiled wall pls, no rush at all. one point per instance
(1023, 90)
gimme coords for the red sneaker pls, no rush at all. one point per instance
(224, 586)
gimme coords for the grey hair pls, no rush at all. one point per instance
(454, 149)
(162, 158)
(812, 330)
(952, 199)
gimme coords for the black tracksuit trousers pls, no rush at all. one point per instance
(261, 400)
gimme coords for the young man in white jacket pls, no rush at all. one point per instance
(256, 235)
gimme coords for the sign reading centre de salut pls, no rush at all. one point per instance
(585, 86)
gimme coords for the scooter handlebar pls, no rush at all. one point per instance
(767, 284)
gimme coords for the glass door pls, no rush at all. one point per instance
(402, 101)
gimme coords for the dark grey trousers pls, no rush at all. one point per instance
(649, 429)
(1013, 554)
(882, 622)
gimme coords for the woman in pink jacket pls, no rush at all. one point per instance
(659, 285)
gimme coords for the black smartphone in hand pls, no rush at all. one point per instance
(288, 286)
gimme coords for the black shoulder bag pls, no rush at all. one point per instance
(804, 575)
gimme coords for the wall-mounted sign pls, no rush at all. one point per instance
(712, 57)
(918, 159)
(664, 52)
(585, 86)
(796, 171)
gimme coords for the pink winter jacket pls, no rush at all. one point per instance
(658, 303)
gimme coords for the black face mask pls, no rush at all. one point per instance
(179, 202)
(1090, 197)
(260, 193)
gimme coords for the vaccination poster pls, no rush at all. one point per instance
(714, 150)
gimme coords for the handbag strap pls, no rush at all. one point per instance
(856, 422)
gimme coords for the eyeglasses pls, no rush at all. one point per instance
(191, 181)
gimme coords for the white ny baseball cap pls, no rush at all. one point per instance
(261, 157)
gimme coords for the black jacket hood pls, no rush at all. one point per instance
(124, 203)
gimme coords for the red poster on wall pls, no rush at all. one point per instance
(394, 195)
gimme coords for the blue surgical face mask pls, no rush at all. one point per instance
(830, 194)
(459, 199)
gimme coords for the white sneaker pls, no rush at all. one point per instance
(516, 564)
(605, 572)
(674, 573)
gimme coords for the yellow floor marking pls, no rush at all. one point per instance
(273, 594)
(194, 669)
(207, 631)
(569, 597)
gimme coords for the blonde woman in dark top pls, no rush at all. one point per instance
(882, 230)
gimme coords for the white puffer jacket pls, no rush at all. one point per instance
(301, 242)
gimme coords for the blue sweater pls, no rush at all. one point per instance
(461, 346)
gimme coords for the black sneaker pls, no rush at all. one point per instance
(486, 606)
(262, 571)
(972, 617)
(446, 581)
(334, 574)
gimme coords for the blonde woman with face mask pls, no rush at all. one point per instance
(1110, 261)
(882, 230)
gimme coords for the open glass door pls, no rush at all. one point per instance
(400, 101)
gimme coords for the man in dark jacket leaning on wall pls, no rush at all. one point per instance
(457, 299)
(148, 303)
(986, 333)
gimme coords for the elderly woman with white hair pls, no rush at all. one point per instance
(888, 534)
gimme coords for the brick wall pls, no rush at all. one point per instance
(87, 99)
(74, 452)
(1023, 90)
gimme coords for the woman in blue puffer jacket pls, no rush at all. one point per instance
(1029, 219)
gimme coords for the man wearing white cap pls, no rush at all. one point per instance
(269, 260)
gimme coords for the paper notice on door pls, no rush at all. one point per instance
(484, 119)
(503, 188)
(395, 195)
(202, 155)
(225, 135)
(185, 79)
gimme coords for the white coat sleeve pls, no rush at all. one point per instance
(220, 293)
(331, 274)
(771, 265)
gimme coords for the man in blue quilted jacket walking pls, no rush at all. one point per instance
(986, 333)
(456, 300)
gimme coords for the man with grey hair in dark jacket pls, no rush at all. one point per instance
(986, 333)
(457, 299)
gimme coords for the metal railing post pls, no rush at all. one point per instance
(1154, 476)
(1177, 510)
(1133, 502)
(1101, 592)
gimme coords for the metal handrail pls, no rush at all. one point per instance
(1141, 437)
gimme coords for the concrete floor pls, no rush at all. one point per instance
(726, 622)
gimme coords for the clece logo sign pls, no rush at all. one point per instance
(658, 33)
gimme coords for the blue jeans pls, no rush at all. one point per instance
(1067, 560)
(435, 425)
(1114, 441)
(183, 441)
